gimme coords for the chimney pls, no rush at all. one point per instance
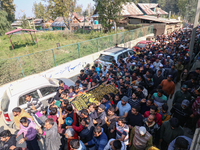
(169, 15)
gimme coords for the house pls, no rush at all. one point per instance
(47, 24)
(151, 9)
(38, 24)
(59, 24)
(17, 24)
(130, 9)
(161, 25)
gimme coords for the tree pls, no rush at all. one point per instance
(109, 12)
(40, 11)
(25, 23)
(90, 9)
(62, 8)
(4, 23)
(78, 9)
(9, 7)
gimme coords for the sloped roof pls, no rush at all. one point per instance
(147, 9)
(38, 21)
(59, 22)
(153, 18)
(17, 23)
(130, 8)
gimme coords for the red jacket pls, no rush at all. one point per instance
(158, 117)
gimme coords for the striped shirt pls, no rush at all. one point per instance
(122, 131)
(38, 105)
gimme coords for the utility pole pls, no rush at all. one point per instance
(196, 20)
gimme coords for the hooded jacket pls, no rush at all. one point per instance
(30, 132)
(22, 114)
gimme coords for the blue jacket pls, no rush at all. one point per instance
(107, 105)
(99, 142)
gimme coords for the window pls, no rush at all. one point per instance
(48, 90)
(33, 94)
(106, 58)
(123, 55)
(131, 53)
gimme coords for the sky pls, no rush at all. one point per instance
(25, 6)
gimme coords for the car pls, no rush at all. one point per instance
(39, 87)
(106, 57)
(142, 44)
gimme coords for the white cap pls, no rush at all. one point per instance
(160, 54)
(161, 65)
(168, 56)
(150, 52)
(142, 130)
(133, 63)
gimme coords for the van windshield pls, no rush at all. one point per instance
(5, 102)
(106, 58)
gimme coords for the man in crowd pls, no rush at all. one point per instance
(168, 86)
(99, 139)
(18, 113)
(28, 129)
(140, 138)
(134, 118)
(123, 106)
(181, 94)
(169, 131)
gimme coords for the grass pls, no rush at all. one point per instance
(24, 44)
(14, 66)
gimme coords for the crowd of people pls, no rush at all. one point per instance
(138, 117)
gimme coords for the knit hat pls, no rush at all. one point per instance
(184, 86)
(102, 106)
(70, 132)
(125, 98)
(142, 130)
(186, 102)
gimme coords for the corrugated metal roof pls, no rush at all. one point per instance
(130, 9)
(147, 8)
(59, 22)
(153, 18)
(38, 21)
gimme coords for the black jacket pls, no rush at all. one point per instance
(11, 142)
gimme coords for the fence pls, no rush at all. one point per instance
(18, 67)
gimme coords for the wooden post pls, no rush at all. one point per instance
(11, 43)
(36, 39)
(31, 36)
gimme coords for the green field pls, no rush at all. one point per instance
(24, 44)
(28, 59)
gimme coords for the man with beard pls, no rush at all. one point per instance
(134, 118)
(9, 140)
(181, 94)
(100, 120)
(122, 130)
(168, 86)
(182, 112)
(123, 106)
(134, 101)
(99, 139)
(152, 127)
(153, 111)
(157, 78)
